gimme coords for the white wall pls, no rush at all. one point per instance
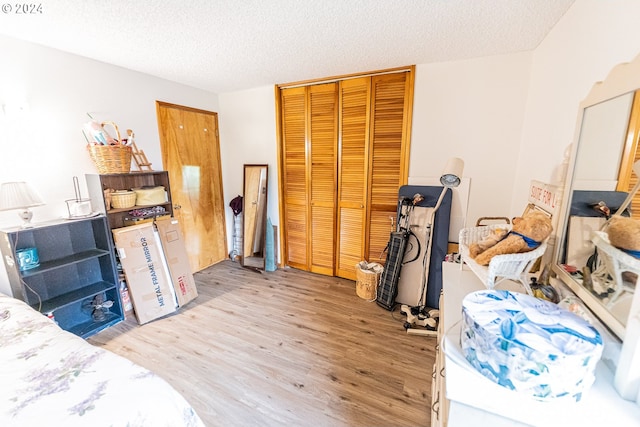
(44, 145)
(592, 38)
(248, 136)
(474, 110)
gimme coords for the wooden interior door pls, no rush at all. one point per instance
(352, 174)
(191, 155)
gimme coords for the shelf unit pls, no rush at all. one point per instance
(77, 264)
(97, 184)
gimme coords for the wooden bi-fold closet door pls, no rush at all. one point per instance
(293, 170)
(392, 100)
(353, 172)
(343, 155)
(309, 175)
(375, 119)
(323, 125)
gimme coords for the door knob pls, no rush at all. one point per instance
(176, 207)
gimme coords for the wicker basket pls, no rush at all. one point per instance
(110, 158)
(367, 281)
(123, 199)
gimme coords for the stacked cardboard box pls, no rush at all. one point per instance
(177, 259)
(156, 267)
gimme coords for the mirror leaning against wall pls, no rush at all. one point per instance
(600, 185)
(254, 216)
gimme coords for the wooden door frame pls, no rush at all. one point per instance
(279, 153)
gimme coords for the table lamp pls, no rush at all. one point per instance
(19, 196)
(452, 172)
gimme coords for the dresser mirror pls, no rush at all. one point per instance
(599, 176)
(254, 216)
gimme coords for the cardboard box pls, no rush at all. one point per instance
(144, 266)
(177, 259)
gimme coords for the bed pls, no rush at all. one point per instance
(52, 377)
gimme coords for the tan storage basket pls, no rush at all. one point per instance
(123, 199)
(150, 195)
(367, 281)
(110, 158)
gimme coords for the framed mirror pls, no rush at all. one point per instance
(254, 216)
(598, 178)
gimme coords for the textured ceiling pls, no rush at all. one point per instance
(227, 45)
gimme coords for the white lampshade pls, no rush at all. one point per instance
(19, 195)
(452, 173)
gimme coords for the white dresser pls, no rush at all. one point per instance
(471, 399)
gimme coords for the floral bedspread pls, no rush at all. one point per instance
(51, 377)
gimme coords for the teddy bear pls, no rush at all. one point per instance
(497, 234)
(527, 233)
(624, 234)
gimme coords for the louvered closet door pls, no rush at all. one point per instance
(322, 167)
(294, 173)
(352, 185)
(344, 155)
(388, 159)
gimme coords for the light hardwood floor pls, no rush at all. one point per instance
(284, 348)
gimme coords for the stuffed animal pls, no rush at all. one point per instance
(527, 234)
(624, 234)
(494, 237)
